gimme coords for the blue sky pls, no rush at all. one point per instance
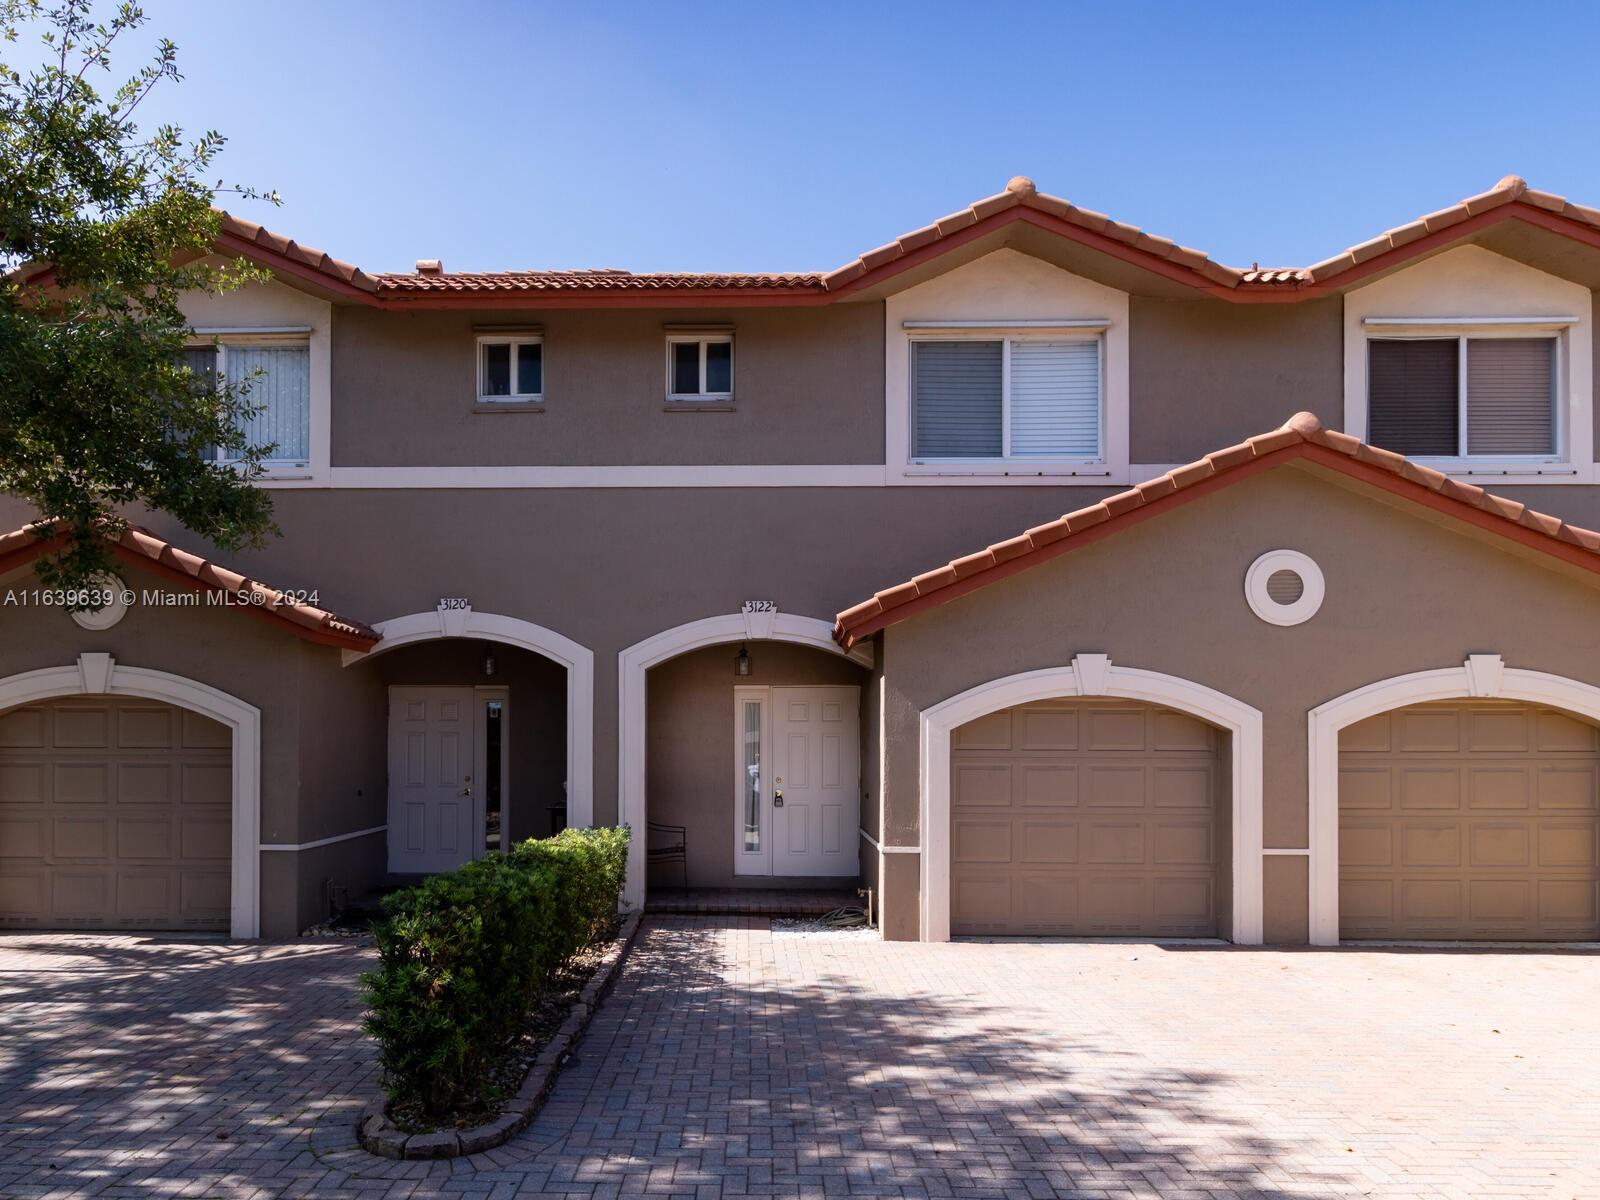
(788, 137)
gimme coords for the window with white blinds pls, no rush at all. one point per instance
(1023, 398)
(276, 380)
(1458, 397)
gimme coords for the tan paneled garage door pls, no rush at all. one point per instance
(1469, 820)
(1085, 818)
(114, 814)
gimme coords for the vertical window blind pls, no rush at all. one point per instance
(279, 381)
(1427, 398)
(964, 409)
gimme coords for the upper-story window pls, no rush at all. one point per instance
(511, 369)
(700, 366)
(1465, 396)
(1006, 398)
(277, 376)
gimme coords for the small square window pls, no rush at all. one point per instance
(700, 367)
(510, 369)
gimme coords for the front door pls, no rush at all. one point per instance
(816, 780)
(434, 821)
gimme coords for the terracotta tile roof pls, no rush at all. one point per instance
(236, 230)
(143, 548)
(1301, 437)
(596, 279)
(1021, 194)
(1020, 201)
(1510, 190)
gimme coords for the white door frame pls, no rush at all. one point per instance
(578, 659)
(632, 666)
(100, 674)
(1481, 676)
(1093, 675)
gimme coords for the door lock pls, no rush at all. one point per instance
(466, 785)
(777, 792)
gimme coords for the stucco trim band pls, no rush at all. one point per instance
(1094, 675)
(1481, 676)
(327, 841)
(100, 674)
(632, 666)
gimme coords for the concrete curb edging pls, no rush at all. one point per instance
(379, 1135)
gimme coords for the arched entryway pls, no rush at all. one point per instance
(166, 747)
(1093, 675)
(490, 734)
(731, 630)
(1457, 804)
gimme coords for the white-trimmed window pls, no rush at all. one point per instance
(1009, 398)
(511, 369)
(275, 374)
(700, 366)
(1489, 395)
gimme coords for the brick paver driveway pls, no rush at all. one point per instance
(731, 1061)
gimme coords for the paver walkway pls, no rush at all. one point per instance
(732, 1061)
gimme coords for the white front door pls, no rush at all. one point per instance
(816, 780)
(434, 821)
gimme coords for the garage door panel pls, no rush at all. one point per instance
(1044, 729)
(22, 728)
(1568, 844)
(1051, 785)
(1434, 787)
(81, 782)
(1560, 733)
(1366, 844)
(1053, 842)
(982, 841)
(1500, 844)
(1111, 812)
(1373, 734)
(1496, 787)
(1430, 844)
(1497, 840)
(81, 728)
(1114, 785)
(1181, 843)
(114, 814)
(1570, 788)
(982, 784)
(87, 837)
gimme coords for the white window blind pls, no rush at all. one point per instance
(1055, 398)
(1463, 396)
(1511, 405)
(279, 381)
(1022, 398)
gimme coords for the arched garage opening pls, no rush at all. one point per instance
(131, 799)
(1210, 742)
(1458, 804)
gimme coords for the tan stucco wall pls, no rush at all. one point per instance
(1207, 374)
(1403, 594)
(689, 749)
(808, 388)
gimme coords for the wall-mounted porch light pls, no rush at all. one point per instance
(741, 664)
(488, 664)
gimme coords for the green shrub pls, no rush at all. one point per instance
(464, 956)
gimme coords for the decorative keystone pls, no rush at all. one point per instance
(1093, 672)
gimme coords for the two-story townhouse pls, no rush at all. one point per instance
(780, 560)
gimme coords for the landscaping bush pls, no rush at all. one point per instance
(463, 958)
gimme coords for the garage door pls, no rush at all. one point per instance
(114, 814)
(1085, 818)
(1469, 821)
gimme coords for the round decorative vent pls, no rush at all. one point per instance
(1284, 587)
(114, 595)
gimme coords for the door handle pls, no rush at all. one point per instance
(777, 799)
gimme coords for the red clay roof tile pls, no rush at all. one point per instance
(1301, 437)
(141, 547)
